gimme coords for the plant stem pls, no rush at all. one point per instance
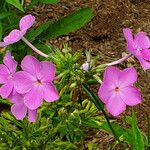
(34, 48)
(99, 105)
(120, 60)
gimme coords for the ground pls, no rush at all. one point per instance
(103, 35)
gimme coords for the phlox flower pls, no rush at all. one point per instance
(7, 71)
(117, 89)
(139, 46)
(15, 35)
(35, 82)
(19, 109)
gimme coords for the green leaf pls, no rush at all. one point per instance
(2, 2)
(1, 30)
(94, 98)
(47, 1)
(5, 14)
(15, 3)
(33, 33)
(93, 123)
(138, 141)
(34, 2)
(70, 23)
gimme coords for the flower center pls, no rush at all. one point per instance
(38, 82)
(10, 76)
(117, 89)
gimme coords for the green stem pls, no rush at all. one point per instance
(100, 107)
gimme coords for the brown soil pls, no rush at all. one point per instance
(103, 35)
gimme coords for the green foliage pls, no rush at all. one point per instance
(132, 136)
(102, 124)
(15, 3)
(59, 126)
(33, 33)
(135, 136)
(69, 23)
(1, 30)
(46, 1)
(35, 2)
(4, 15)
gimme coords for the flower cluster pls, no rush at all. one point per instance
(26, 89)
(117, 90)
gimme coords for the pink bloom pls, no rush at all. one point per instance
(139, 46)
(19, 109)
(15, 35)
(6, 75)
(117, 89)
(35, 82)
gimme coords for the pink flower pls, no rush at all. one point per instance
(19, 109)
(15, 35)
(139, 46)
(117, 89)
(35, 82)
(6, 75)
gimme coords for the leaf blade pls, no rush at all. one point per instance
(15, 3)
(69, 23)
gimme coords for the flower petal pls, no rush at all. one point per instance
(146, 54)
(10, 62)
(47, 72)
(127, 77)
(145, 64)
(115, 105)
(129, 39)
(19, 110)
(33, 99)
(130, 95)
(50, 93)
(3, 44)
(142, 41)
(23, 82)
(128, 34)
(32, 115)
(31, 65)
(26, 22)
(6, 89)
(105, 92)
(111, 76)
(13, 37)
(16, 98)
(4, 74)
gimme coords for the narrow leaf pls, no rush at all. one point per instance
(15, 3)
(70, 23)
(93, 123)
(47, 1)
(33, 33)
(138, 141)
